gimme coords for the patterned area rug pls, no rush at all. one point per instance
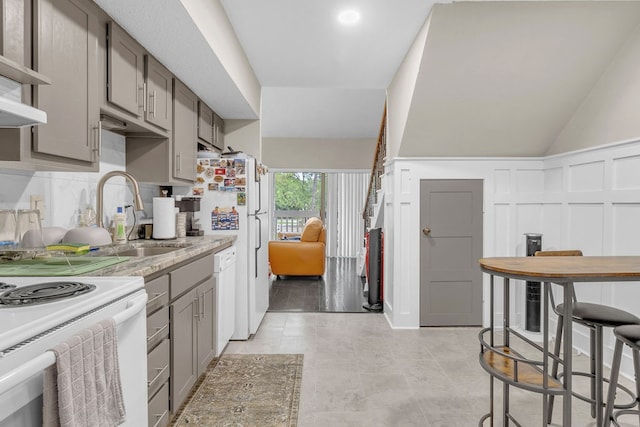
(246, 390)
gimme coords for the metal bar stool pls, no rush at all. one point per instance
(595, 317)
(629, 335)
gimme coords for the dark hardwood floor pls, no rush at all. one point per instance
(340, 290)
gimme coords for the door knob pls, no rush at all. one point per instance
(426, 231)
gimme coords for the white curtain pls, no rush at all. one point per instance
(346, 195)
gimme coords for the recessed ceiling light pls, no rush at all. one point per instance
(349, 17)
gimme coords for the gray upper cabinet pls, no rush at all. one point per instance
(158, 97)
(15, 43)
(205, 124)
(218, 132)
(125, 73)
(70, 59)
(185, 124)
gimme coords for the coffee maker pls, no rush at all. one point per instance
(191, 205)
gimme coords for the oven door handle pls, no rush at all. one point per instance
(48, 358)
(134, 306)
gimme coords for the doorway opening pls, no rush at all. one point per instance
(338, 199)
(297, 196)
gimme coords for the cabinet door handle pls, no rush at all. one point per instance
(178, 161)
(141, 97)
(153, 104)
(158, 376)
(158, 331)
(97, 150)
(160, 417)
(144, 96)
(204, 307)
(196, 307)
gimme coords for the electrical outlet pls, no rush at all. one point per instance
(37, 202)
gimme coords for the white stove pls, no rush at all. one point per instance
(28, 331)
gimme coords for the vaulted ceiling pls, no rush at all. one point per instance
(504, 78)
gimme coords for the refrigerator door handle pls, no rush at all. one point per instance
(259, 246)
(259, 191)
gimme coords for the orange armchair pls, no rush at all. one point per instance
(305, 257)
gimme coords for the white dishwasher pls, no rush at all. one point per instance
(224, 267)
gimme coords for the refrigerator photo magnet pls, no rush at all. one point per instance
(240, 167)
(225, 218)
(242, 199)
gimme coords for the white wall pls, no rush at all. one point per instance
(588, 200)
(213, 23)
(401, 91)
(318, 153)
(245, 136)
(609, 112)
(65, 193)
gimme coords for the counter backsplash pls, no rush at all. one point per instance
(67, 193)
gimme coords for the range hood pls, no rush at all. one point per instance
(16, 114)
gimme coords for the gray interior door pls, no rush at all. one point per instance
(450, 246)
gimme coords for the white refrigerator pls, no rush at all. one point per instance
(235, 200)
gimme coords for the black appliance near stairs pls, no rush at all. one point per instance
(374, 270)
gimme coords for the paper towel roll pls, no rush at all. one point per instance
(164, 218)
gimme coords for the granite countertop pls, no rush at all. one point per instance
(189, 248)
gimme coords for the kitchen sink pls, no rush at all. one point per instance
(149, 251)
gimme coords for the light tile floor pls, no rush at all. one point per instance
(360, 372)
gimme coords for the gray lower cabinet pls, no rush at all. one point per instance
(183, 347)
(181, 334)
(206, 325)
(158, 409)
(158, 350)
(193, 325)
(193, 339)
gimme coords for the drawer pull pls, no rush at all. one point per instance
(160, 373)
(155, 298)
(160, 418)
(156, 333)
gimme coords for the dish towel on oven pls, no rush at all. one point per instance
(83, 387)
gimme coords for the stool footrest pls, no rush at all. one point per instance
(619, 386)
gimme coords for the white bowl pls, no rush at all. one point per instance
(94, 236)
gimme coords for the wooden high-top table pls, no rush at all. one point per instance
(564, 271)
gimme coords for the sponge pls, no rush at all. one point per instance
(69, 247)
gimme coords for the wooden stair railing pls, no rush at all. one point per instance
(376, 172)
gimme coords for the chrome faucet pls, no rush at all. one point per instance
(136, 192)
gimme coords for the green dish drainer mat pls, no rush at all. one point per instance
(57, 266)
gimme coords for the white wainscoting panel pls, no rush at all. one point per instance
(626, 228)
(587, 200)
(626, 173)
(502, 181)
(586, 176)
(529, 181)
(553, 180)
(586, 222)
